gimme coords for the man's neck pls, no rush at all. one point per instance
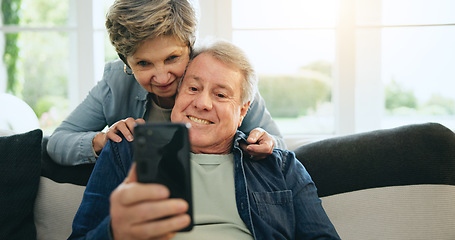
(220, 149)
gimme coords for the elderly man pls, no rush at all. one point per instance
(273, 198)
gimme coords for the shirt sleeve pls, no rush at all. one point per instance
(71, 142)
(259, 116)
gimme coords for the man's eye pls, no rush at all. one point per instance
(172, 58)
(220, 95)
(193, 89)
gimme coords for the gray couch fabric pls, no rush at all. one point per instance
(407, 155)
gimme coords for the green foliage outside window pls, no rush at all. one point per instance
(45, 13)
(445, 105)
(291, 96)
(397, 96)
(401, 101)
(11, 14)
(44, 65)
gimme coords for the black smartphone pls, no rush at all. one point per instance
(162, 155)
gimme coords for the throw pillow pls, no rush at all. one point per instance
(20, 161)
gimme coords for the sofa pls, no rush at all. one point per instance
(38, 198)
(395, 183)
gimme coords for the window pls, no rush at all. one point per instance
(324, 66)
(293, 48)
(417, 61)
(54, 52)
(385, 63)
(37, 37)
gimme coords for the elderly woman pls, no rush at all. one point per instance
(153, 40)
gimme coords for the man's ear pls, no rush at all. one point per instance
(243, 111)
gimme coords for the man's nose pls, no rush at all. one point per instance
(204, 101)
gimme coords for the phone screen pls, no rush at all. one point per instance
(162, 155)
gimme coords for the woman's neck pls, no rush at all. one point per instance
(164, 102)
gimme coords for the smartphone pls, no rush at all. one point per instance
(162, 155)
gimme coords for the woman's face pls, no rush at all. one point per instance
(158, 65)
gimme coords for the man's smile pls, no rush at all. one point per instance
(199, 120)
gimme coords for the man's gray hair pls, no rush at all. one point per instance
(233, 56)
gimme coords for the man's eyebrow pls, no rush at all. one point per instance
(218, 85)
(195, 77)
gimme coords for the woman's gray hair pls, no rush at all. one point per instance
(233, 56)
(129, 23)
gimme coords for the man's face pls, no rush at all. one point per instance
(209, 99)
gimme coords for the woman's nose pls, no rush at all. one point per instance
(162, 76)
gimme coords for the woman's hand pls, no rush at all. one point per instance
(145, 211)
(125, 126)
(261, 144)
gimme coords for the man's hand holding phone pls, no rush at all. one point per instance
(145, 209)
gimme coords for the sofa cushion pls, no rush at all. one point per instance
(59, 196)
(20, 170)
(423, 211)
(55, 208)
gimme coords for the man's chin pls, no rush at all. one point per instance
(196, 138)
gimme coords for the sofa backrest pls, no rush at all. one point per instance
(77, 175)
(387, 184)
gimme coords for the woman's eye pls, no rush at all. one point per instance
(142, 63)
(193, 89)
(220, 95)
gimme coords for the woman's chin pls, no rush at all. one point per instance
(165, 93)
